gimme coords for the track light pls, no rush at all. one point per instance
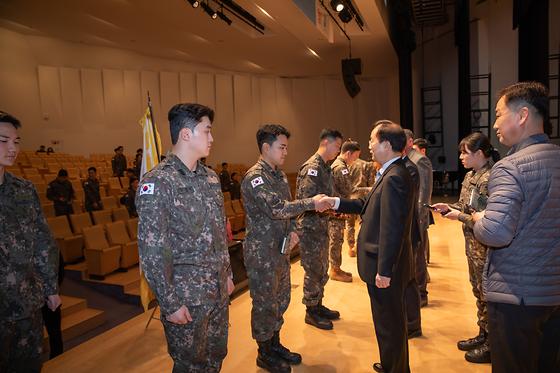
(194, 3)
(211, 12)
(345, 15)
(223, 17)
(337, 5)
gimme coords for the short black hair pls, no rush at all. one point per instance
(139, 150)
(234, 174)
(186, 116)
(62, 172)
(92, 169)
(393, 133)
(330, 134)
(269, 134)
(351, 146)
(8, 118)
(120, 147)
(131, 180)
(421, 143)
(224, 164)
(533, 93)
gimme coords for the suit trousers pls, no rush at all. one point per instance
(389, 321)
(524, 339)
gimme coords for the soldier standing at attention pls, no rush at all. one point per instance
(61, 192)
(344, 188)
(28, 262)
(118, 163)
(91, 191)
(270, 238)
(183, 244)
(315, 177)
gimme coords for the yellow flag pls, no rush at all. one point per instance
(150, 158)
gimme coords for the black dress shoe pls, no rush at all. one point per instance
(472, 343)
(415, 333)
(378, 368)
(479, 355)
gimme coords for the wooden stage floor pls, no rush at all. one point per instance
(350, 347)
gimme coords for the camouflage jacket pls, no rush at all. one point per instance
(28, 253)
(477, 181)
(118, 164)
(182, 237)
(269, 208)
(362, 177)
(341, 176)
(314, 177)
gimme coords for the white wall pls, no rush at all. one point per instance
(91, 98)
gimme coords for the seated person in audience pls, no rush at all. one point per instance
(60, 191)
(91, 191)
(29, 260)
(41, 149)
(118, 163)
(225, 179)
(50, 150)
(128, 198)
(130, 173)
(235, 186)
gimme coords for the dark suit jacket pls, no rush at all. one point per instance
(384, 244)
(415, 234)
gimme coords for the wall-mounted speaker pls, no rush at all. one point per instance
(350, 68)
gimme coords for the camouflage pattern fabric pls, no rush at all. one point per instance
(269, 209)
(183, 251)
(343, 188)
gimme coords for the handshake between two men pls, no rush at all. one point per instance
(323, 202)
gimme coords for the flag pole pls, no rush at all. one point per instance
(154, 127)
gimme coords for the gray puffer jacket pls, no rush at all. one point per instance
(521, 224)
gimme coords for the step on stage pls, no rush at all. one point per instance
(350, 347)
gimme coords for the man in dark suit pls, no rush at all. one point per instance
(384, 244)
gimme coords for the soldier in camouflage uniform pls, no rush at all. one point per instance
(315, 177)
(476, 153)
(61, 192)
(344, 188)
(362, 177)
(118, 162)
(270, 237)
(28, 262)
(91, 191)
(183, 245)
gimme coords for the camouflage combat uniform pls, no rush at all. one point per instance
(314, 177)
(61, 193)
(184, 254)
(476, 252)
(362, 175)
(342, 188)
(119, 164)
(92, 195)
(28, 274)
(267, 200)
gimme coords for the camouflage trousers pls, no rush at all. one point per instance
(200, 345)
(21, 344)
(315, 261)
(269, 287)
(476, 258)
(336, 239)
(351, 230)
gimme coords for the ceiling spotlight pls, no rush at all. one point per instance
(345, 15)
(337, 5)
(223, 17)
(211, 12)
(194, 3)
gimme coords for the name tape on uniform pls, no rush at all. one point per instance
(257, 181)
(147, 188)
(312, 172)
(345, 171)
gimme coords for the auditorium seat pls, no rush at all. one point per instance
(35, 178)
(129, 248)
(109, 202)
(77, 206)
(79, 222)
(48, 209)
(132, 227)
(41, 187)
(101, 217)
(227, 196)
(120, 214)
(237, 221)
(101, 259)
(70, 245)
(115, 188)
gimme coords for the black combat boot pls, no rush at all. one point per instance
(472, 343)
(291, 357)
(480, 354)
(327, 313)
(269, 360)
(312, 317)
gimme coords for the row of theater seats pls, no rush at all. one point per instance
(107, 243)
(235, 212)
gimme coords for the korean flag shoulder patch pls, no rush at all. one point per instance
(147, 188)
(257, 181)
(312, 172)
